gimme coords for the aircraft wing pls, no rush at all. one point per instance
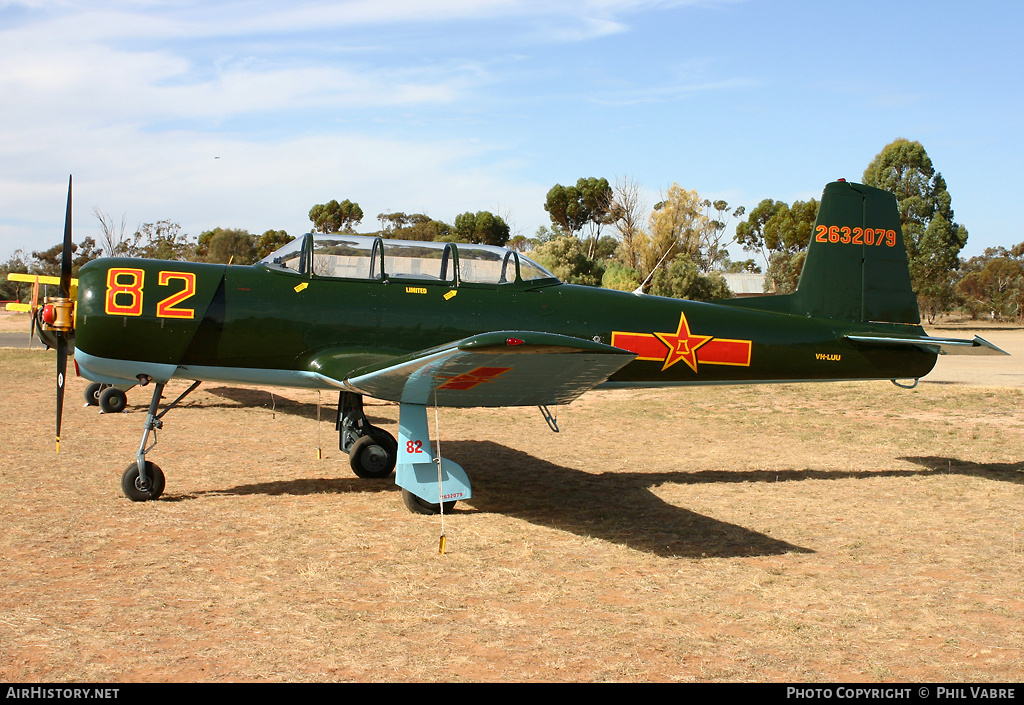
(37, 279)
(939, 346)
(507, 368)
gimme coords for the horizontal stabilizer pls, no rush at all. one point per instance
(938, 346)
(505, 368)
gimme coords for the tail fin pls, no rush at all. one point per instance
(856, 266)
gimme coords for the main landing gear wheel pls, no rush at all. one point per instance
(92, 394)
(420, 506)
(113, 400)
(374, 456)
(138, 491)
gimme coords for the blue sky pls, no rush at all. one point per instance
(245, 114)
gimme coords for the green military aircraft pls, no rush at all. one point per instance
(441, 324)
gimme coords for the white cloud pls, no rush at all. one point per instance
(302, 102)
(257, 186)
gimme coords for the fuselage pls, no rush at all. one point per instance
(265, 323)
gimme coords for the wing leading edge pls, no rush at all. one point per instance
(503, 368)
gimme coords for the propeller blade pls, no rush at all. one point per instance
(62, 368)
(64, 292)
(65, 260)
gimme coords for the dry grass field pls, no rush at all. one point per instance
(834, 532)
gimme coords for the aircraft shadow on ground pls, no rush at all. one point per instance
(616, 507)
(620, 506)
(1005, 472)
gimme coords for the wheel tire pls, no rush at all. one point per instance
(419, 506)
(373, 457)
(113, 400)
(92, 394)
(132, 488)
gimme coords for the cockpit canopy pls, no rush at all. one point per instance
(342, 256)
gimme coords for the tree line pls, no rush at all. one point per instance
(602, 234)
(165, 240)
(678, 247)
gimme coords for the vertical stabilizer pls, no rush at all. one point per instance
(856, 266)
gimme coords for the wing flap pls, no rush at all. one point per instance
(504, 368)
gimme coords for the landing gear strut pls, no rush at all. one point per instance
(143, 480)
(429, 484)
(426, 479)
(372, 451)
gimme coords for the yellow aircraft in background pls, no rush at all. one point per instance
(109, 399)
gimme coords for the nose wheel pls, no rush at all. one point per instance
(142, 489)
(143, 480)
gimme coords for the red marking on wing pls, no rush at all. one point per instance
(468, 380)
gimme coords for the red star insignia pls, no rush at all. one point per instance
(682, 345)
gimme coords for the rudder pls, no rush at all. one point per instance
(856, 266)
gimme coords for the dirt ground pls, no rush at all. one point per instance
(851, 532)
